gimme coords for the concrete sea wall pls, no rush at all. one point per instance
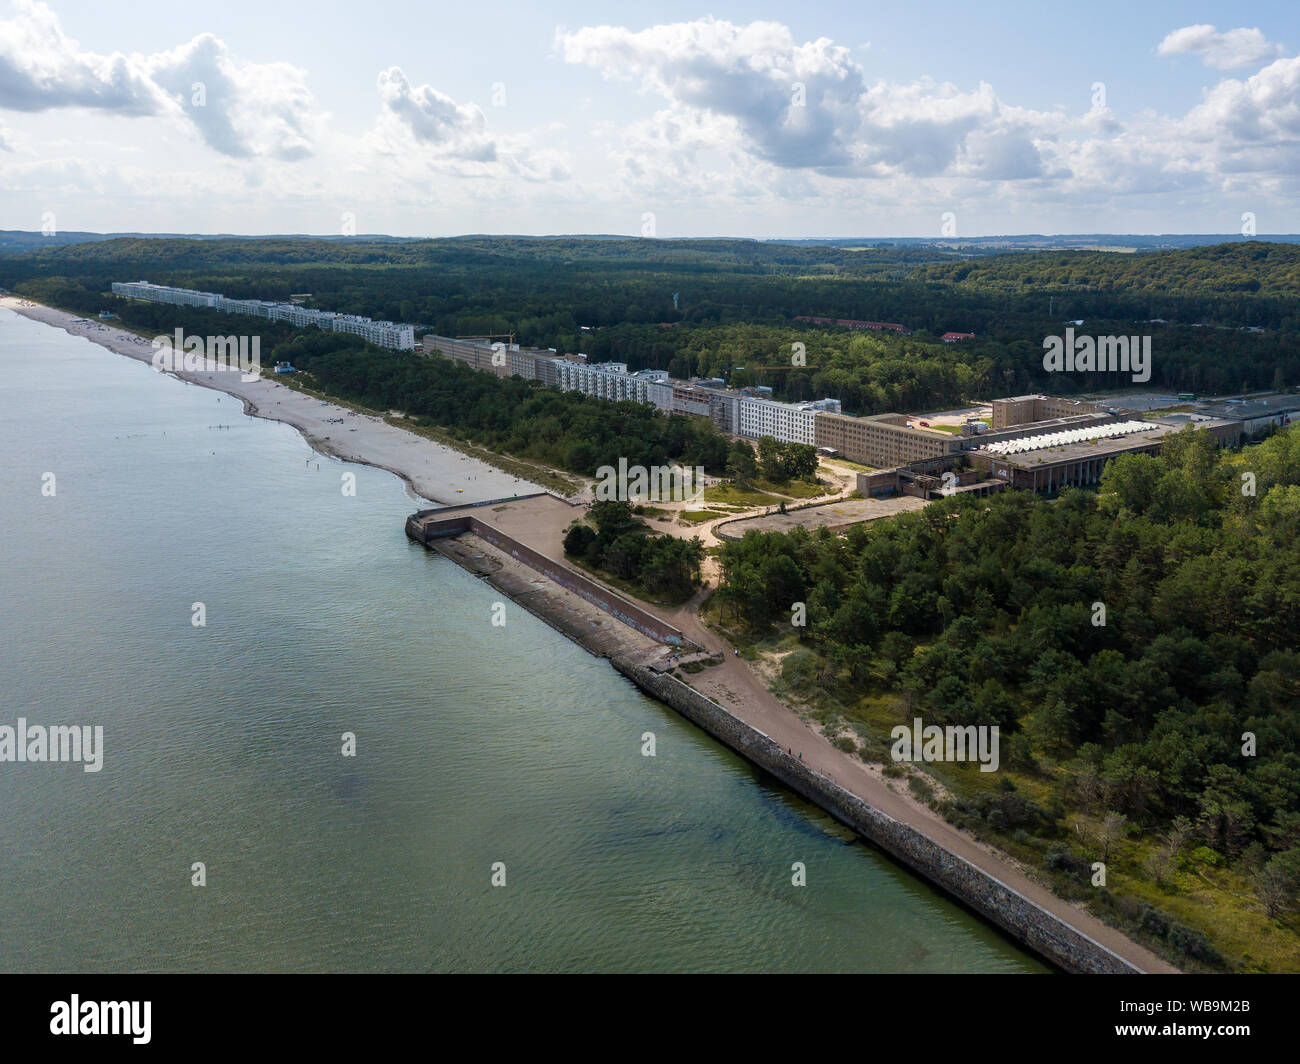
(1028, 923)
(427, 525)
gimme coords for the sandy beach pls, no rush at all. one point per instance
(433, 471)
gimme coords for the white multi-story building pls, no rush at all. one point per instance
(605, 380)
(787, 422)
(384, 333)
(161, 293)
(304, 316)
(660, 393)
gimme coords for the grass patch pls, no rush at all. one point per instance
(795, 489)
(695, 517)
(745, 497)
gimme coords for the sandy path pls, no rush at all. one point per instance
(433, 471)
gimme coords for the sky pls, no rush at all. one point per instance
(851, 119)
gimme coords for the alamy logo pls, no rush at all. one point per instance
(1100, 354)
(102, 1017)
(655, 484)
(952, 743)
(60, 743)
(195, 354)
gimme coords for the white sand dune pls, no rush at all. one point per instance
(433, 471)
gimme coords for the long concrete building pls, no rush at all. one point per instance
(882, 439)
(394, 335)
(748, 413)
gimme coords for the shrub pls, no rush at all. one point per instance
(920, 786)
(1068, 863)
(1206, 856)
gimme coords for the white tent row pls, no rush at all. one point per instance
(1058, 439)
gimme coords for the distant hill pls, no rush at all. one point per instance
(1039, 242)
(22, 240)
(1251, 267)
(694, 256)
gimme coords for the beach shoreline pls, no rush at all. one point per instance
(431, 471)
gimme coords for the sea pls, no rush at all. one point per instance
(320, 754)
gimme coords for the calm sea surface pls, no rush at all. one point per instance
(475, 744)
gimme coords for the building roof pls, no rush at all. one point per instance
(1151, 432)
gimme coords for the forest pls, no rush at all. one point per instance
(986, 612)
(729, 308)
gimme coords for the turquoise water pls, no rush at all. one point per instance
(475, 744)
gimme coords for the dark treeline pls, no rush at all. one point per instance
(982, 612)
(1224, 270)
(737, 302)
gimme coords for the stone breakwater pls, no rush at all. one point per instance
(1034, 927)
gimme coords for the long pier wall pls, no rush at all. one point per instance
(427, 525)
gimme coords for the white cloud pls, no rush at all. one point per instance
(41, 68)
(1251, 127)
(1265, 108)
(247, 109)
(240, 109)
(754, 74)
(1230, 50)
(732, 127)
(434, 119)
(809, 106)
(420, 128)
(744, 127)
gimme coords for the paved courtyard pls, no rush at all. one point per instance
(831, 515)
